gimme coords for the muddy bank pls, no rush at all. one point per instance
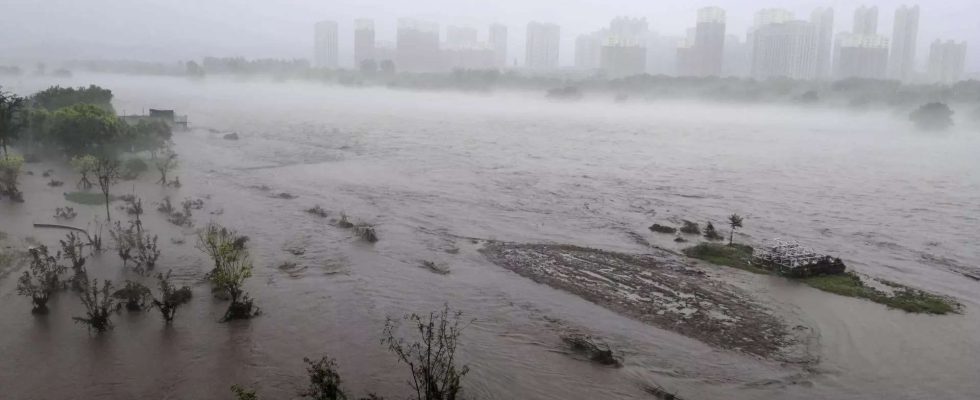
(658, 289)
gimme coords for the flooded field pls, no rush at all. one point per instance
(434, 171)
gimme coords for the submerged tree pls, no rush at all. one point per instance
(10, 108)
(134, 296)
(71, 250)
(170, 298)
(232, 266)
(84, 165)
(42, 280)
(711, 233)
(107, 172)
(431, 355)
(932, 117)
(98, 304)
(324, 380)
(134, 244)
(9, 174)
(243, 393)
(165, 162)
(734, 221)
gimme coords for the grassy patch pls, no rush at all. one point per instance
(849, 284)
(91, 198)
(735, 256)
(902, 297)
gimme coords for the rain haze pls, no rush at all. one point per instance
(441, 200)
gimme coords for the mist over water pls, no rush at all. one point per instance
(431, 170)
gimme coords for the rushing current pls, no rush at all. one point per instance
(432, 169)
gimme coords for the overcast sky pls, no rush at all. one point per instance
(171, 30)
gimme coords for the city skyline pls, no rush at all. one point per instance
(666, 20)
(778, 45)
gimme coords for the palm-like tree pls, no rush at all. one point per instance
(735, 221)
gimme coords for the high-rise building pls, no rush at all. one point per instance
(325, 44)
(822, 20)
(588, 49)
(543, 41)
(417, 47)
(861, 56)
(905, 34)
(620, 58)
(784, 50)
(457, 37)
(364, 42)
(662, 54)
(737, 57)
(946, 61)
(709, 42)
(498, 41)
(626, 38)
(865, 21)
(626, 29)
(769, 16)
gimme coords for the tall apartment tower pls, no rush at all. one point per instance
(543, 41)
(457, 37)
(783, 47)
(946, 61)
(588, 49)
(901, 61)
(709, 42)
(364, 42)
(417, 46)
(865, 21)
(325, 45)
(498, 41)
(860, 56)
(822, 20)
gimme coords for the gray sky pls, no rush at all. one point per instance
(170, 30)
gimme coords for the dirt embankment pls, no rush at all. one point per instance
(658, 289)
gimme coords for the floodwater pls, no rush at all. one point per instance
(433, 169)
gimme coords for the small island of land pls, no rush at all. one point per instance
(849, 284)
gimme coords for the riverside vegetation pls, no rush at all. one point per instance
(849, 284)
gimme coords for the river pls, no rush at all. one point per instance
(432, 169)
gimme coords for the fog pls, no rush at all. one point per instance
(187, 29)
(189, 209)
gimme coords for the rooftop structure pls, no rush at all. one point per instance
(793, 259)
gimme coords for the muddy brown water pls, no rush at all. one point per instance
(430, 169)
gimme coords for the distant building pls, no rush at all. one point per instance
(385, 51)
(861, 56)
(621, 58)
(865, 21)
(498, 41)
(588, 49)
(325, 44)
(822, 20)
(946, 61)
(737, 61)
(460, 37)
(662, 54)
(477, 56)
(364, 42)
(905, 35)
(704, 56)
(629, 30)
(543, 43)
(785, 49)
(417, 47)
